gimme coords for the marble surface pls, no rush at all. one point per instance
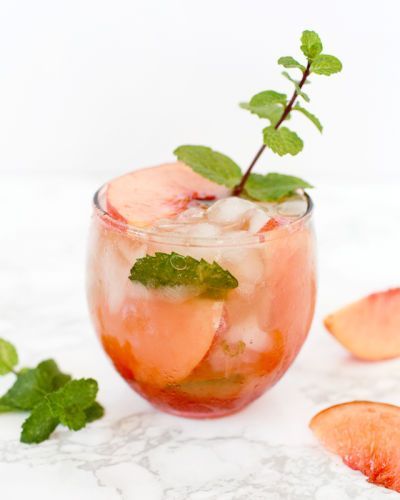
(136, 453)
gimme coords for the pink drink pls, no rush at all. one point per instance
(188, 354)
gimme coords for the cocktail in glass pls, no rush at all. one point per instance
(189, 353)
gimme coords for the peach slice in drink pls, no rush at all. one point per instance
(370, 327)
(158, 341)
(366, 436)
(141, 198)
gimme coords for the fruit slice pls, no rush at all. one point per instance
(160, 342)
(366, 436)
(140, 198)
(370, 327)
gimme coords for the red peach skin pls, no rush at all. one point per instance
(144, 196)
(366, 436)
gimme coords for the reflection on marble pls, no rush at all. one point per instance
(136, 453)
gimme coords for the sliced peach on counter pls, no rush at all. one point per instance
(366, 436)
(161, 343)
(370, 327)
(143, 197)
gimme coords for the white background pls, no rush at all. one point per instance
(109, 86)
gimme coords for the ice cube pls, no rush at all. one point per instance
(192, 214)
(246, 264)
(249, 332)
(177, 293)
(294, 207)
(257, 218)
(229, 210)
(204, 230)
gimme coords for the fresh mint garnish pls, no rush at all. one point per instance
(8, 357)
(273, 187)
(173, 269)
(276, 107)
(51, 396)
(210, 164)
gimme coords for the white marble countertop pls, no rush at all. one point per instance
(136, 453)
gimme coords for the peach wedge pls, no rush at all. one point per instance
(147, 195)
(366, 436)
(370, 327)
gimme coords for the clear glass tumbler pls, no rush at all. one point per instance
(194, 356)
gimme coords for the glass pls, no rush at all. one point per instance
(193, 356)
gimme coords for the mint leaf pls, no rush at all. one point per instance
(290, 62)
(268, 97)
(39, 425)
(174, 269)
(272, 112)
(210, 164)
(311, 44)
(94, 412)
(8, 357)
(309, 115)
(297, 86)
(282, 141)
(69, 403)
(325, 64)
(33, 384)
(273, 187)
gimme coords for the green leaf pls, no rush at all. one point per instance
(272, 112)
(309, 115)
(297, 86)
(69, 403)
(273, 187)
(173, 269)
(268, 97)
(311, 44)
(94, 412)
(282, 141)
(33, 384)
(290, 62)
(39, 425)
(325, 64)
(210, 164)
(8, 357)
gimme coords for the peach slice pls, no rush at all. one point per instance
(366, 436)
(140, 198)
(370, 327)
(158, 342)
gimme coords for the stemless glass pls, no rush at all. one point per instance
(194, 356)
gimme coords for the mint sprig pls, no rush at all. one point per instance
(272, 186)
(277, 108)
(50, 395)
(173, 269)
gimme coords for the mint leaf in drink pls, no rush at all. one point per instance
(169, 270)
(290, 62)
(311, 44)
(210, 164)
(8, 357)
(325, 64)
(271, 112)
(309, 115)
(39, 425)
(33, 384)
(296, 86)
(282, 141)
(273, 187)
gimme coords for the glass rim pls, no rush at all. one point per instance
(201, 241)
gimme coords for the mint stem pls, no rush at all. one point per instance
(239, 188)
